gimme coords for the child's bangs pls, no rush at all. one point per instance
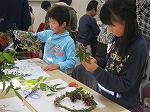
(115, 18)
(105, 15)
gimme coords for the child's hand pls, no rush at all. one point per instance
(51, 67)
(92, 59)
(91, 67)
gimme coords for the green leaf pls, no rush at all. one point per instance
(79, 89)
(52, 89)
(31, 82)
(81, 58)
(6, 78)
(12, 52)
(60, 88)
(87, 53)
(9, 58)
(80, 48)
(87, 60)
(35, 87)
(4, 85)
(44, 78)
(2, 58)
(67, 93)
(82, 54)
(40, 78)
(56, 85)
(12, 76)
(8, 89)
(50, 94)
(21, 78)
(19, 96)
(43, 86)
(17, 88)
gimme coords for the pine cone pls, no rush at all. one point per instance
(88, 99)
(74, 96)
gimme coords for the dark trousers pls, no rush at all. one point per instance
(94, 46)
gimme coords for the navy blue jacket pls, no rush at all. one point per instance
(87, 30)
(120, 80)
(14, 14)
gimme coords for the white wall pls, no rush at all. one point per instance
(38, 13)
(78, 5)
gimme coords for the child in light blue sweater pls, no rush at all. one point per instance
(59, 50)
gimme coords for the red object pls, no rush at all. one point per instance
(3, 39)
(28, 55)
(73, 84)
(32, 31)
(34, 55)
(41, 27)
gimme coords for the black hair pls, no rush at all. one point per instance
(124, 12)
(45, 4)
(30, 9)
(92, 4)
(60, 14)
(68, 2)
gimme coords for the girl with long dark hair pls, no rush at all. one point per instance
(118, 76)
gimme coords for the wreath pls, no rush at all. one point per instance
(78, 94)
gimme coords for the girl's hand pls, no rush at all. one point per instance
(51, 67)
(91, 67)
(92, 59)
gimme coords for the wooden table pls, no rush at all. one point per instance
(55, 74)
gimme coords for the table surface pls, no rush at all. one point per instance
(55, 74)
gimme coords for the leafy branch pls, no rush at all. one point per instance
(39, 83)
(7, 57)
(82, 54)
(27, 41)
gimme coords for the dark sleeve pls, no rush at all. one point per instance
(46, 21)
(26, 18)
(130, 74)
(95, 27)
(101, 50)
(73, 20)
(101, 61)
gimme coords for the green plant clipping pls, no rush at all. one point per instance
(7, 57)
(35, 83)
(82, 54)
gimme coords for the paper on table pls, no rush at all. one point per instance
(45, 104)
(43, 94)
(28, 67)
(13, 104)
(36, 72)
(27, 62)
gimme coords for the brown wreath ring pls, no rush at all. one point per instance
(57, 104)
